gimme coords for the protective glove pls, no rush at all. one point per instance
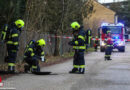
(42, 59)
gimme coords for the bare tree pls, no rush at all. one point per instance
(55, 16)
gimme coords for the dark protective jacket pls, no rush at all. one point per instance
(11, 36)
(78, 41)
(33, 50)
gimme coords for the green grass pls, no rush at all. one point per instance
(65, 55)
(91, 49)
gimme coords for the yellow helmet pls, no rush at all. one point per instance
(75, 25)
(41, 42)
(108, 31)
(19, 23)
(96, 36)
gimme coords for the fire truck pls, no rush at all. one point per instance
(117, 35)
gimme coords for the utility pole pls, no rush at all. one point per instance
(116, 19)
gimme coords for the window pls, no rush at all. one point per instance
(113, 29)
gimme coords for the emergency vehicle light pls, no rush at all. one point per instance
(104, 24)
(107, 24)
(120, 43)
(120, 24)
(103, 43)
(116, 37)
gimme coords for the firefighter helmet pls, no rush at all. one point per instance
(75, 25)
(41, 42)
(108, 31)
(19, 23)
(109, 39)
(96, 36)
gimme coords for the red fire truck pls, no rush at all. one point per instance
(117, 35)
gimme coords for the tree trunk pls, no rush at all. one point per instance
(57, 49)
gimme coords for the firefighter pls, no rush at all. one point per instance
(10, 35)
(78, 43)
(33, 53)
(109, 46)
(88, 38)
(108, 35)
(96, 43)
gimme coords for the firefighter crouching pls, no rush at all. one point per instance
(78, 43)
(10, 35)
(108, 50)
(96, 43)
(34, 53)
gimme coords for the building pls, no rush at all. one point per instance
(100, 14)
(110, 1)
(122, 4)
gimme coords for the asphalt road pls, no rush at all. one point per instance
(100, 75)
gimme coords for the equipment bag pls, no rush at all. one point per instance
(28, 45)
(4, 32)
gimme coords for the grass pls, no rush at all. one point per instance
(91, 49)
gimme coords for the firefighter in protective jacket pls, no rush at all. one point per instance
(33, 53)
(96, 43)
(78, 43)
(10, 35)
(88, 38)
(109, 46)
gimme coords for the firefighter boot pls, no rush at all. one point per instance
(109, 58)
(81, 70)
(34, 69)
(11, 69)
(105, 58)
(74, 70)
(95, 48)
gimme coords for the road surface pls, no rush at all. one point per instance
(99, 75)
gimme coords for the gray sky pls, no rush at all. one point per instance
(107, 1)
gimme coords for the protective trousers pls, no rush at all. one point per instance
(79, 62)
(95, 47)
(96, 44)
(11, 58)
(108, 52)
(33, 64)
